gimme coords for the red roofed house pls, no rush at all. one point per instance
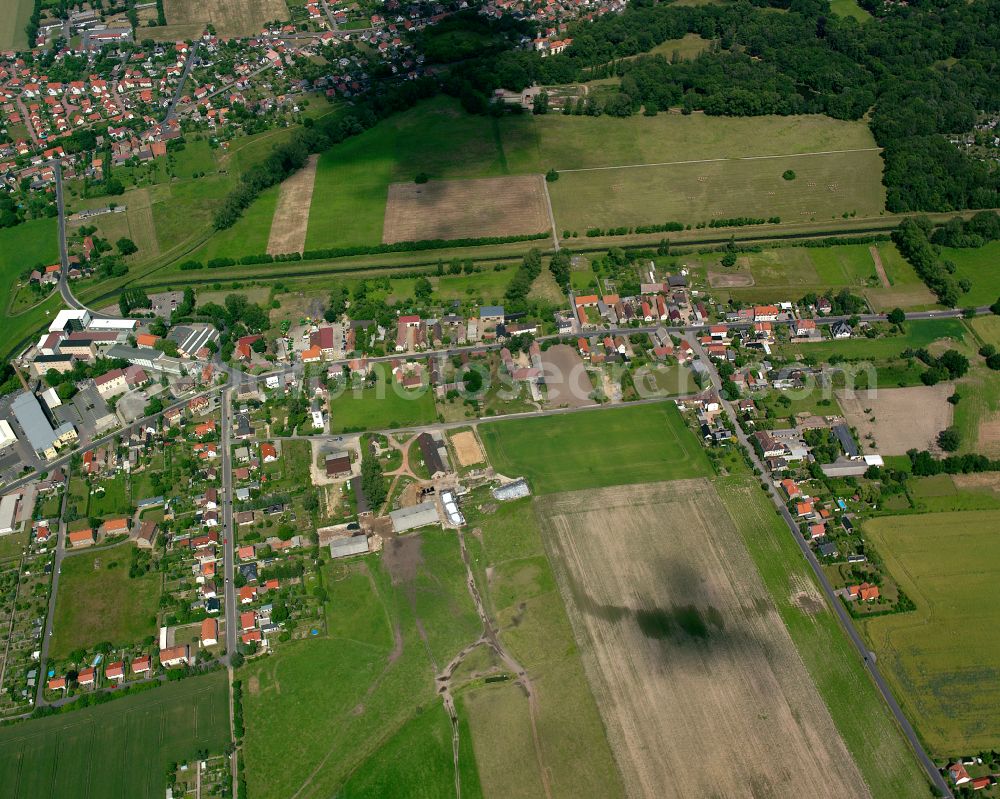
(243, 347)
(248, 620)
(247, 594)
(252, 637)
(142, 665)
(271, 585)
(146, 340)
(175, 656)
(87, 676)
(866, 592)
(958, 774)
(245, 553)
(57, 684)
(115, 671)
(789, 487)
(268, 454)
(82, 538)
(115, 526)
(209, 632)
(981, 782)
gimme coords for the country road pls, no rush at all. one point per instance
(833, 602)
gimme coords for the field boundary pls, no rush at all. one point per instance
(717, 160)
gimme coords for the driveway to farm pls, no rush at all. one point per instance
(845, 620)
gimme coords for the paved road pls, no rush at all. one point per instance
(229, 562)
(189, 62)
(843, 616)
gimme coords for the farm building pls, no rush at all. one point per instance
(434, 454)
(411, 518)
(338, 465)
(345, 547)
(513, 490)
(364, 509)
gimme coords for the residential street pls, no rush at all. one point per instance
(844, 617)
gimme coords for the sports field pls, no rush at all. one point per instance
(685, 652)
(438, 139)
(120, 749)
(14, 16)
(943, 659)
(98, 601)
(384, 405)
(186, 19)
(592, 449)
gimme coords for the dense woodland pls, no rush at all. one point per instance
(918, 71)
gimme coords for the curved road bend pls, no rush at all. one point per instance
(843, 616)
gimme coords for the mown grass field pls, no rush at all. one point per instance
(943, 659)
(826, 187)
(517, 584)
(98, 601)
(638, 444)
(864, 722)
(122, 748)
(791, 272)
(917, 333)
(982, 267)
(439, 139)
(25, 246)
(324, 715)
(14, 16)
(384, 405)
(849, 8)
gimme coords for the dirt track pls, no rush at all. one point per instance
(700, 686)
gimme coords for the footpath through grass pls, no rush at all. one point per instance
(592, 449)
(943, 659)
(324, 715)
(862, 718)
(119, 749)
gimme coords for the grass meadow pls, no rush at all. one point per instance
(943, 659)
(384, 405)
(917, 333)
(791, 272)
(437, 138)
(98, 601)
(863, 720)
(121, 748)
(521, 595)
(638, 444)
(27, 245)
(322, 715)
(982, 268)
(14, 16)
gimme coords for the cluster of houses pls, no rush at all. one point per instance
(552, 18)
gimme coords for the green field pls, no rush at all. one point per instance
(864, 721)
(982, 267)
(791, 272)
(97, 601)
(438, 138)
(520, 591)
(323, 715)
(918, 333)
(685, 48)
(30, 244)
(384, 405)
(120, 749)
(568, 452)
(849, 8)
(943, 659)
(14, 16)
